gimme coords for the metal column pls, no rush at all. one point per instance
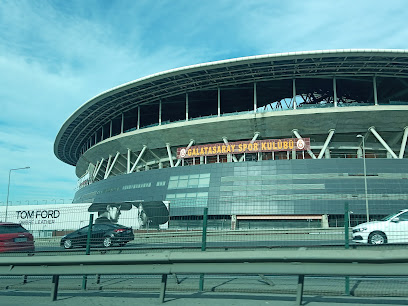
(231, 155)
(128, 162)
(295, 132)
(170, 156)
(403, 143)
(186, 106)
(138, 117)
(326, 143)
(255, 100)
(294, 93)
(188, 147)
(334, 92)
(160, 111)
(375, 90)
(219, 101)
(138, 158)
(122, 123)
(374, 132)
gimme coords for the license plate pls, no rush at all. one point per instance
(20, 239)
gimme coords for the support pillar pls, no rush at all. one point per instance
(219, 101)
(138, 158)
(296, 133)
(138, 117)
(169, 154)
(294, 93)
(403, 143)
(122, 123)
(186, 106)
(128, 162)
(255, 100)
(382, 141)
(326, 143)
(160, 112)
(334, 92)
(375, 90)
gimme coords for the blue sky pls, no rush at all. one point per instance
(56, 55)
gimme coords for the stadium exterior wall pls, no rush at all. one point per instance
(272, 187)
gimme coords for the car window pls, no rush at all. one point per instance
(100, 227)
(83, 230)
(389, 217)
(403, 216)
(11, 228)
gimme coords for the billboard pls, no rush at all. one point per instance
(239, 147)
(138, 215)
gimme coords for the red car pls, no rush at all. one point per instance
(15, 238)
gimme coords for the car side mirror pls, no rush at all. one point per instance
(396, 220)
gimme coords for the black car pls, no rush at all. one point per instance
(104, 235)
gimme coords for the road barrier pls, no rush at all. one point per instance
(301, 262)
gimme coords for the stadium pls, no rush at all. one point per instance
(261, 141)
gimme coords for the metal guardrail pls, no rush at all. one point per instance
(301, 262)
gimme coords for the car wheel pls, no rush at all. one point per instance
(377, 238)
(107, 242)
(68, 244)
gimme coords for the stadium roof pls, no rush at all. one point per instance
(314, 64)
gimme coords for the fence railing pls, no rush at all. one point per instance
(288, 262)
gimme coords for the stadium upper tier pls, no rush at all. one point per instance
(236, 98)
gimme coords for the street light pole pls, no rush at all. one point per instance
(8, 188)
(365, 177)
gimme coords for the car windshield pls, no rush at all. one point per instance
(11, 228)
(389, 217)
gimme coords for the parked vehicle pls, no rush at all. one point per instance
(15, 238)
(104, 235)
(391, 229)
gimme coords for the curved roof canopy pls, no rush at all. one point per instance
(315, 64)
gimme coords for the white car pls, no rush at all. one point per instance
(391, 229)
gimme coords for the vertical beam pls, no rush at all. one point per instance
(326, 143)
(334, 92)
(54, 288)
(219, 101)
(296, 133)
(374, 132)
(170, 156)
(96, 140)
(128, 161)
(122, 123)
(375, 90)
(102, 133)
(160, 111)
(138, 159)
(163, 286)
(403, 143)
(255, 100)
(299, 294)
(138, 117)
(111, 128)
(294, 93)
(188, 147)
(186, 106)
